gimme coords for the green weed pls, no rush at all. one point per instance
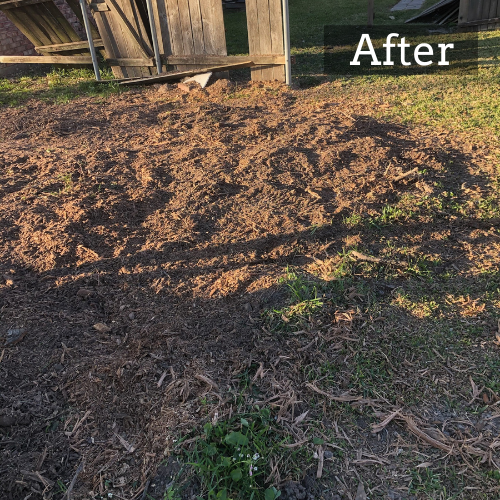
(232, 457)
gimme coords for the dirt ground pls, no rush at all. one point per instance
(143, 238)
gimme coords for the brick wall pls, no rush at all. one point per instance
(14, 43)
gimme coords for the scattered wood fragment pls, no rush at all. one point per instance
(78, 424)
(208, 381)
(425, 437)
(321, 461)
(102, 328)
(67, 495)
(367, 258)
(301, 418)
(162, 378)
(377, 260)
(406, 174)
(130, 448)
(376, 428)
(294, 445)
(343, 398)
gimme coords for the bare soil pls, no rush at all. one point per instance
(166, 220)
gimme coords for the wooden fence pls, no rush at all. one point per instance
(190, 34)
(479, 15)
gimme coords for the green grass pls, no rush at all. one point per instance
(59, 86)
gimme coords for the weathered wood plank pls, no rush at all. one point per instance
(464, 11)
(130, 62)
(174, 24)
(12, 4)
(99, 7)
(266, 43)
(265, 35)
(124, 36)
(162, 28)
(59, 23)
(213, 27)
(196, 26)
(212, 60)
(177, 75)
(34, 39)
(276, 19)
(76, 60)
(46, 20)
(67, 47)
(253, 35)
(32, 27)
(75, 7)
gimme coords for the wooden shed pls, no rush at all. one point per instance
(479, 15)
(471, 15)
(139, 38)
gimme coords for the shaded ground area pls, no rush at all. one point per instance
(171, 260)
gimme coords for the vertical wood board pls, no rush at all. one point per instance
(194, 27)
(124, 36)
(265, 36)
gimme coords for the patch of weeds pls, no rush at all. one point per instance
(232, 458)
(489, 208)
(424, 481)
(391, 214)
(352, 220)
(419, 267)
(304, 301)
(61, 487)
(494, 474)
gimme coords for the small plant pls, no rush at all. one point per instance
(68, 183)
(304, 301)
(352, 220)
(232, 458)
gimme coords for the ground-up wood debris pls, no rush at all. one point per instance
(143, 240)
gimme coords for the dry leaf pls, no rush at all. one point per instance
(424, 465)
(301, 417)
(475, 390)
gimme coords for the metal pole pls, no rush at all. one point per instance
(153, 36)
(286, 37)
(86, 22)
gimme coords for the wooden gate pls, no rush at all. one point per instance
(479, 15)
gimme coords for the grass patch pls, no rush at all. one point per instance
(59, 86)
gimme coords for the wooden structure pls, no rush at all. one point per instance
(471, 15)
(190, 34)
(479, 15)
